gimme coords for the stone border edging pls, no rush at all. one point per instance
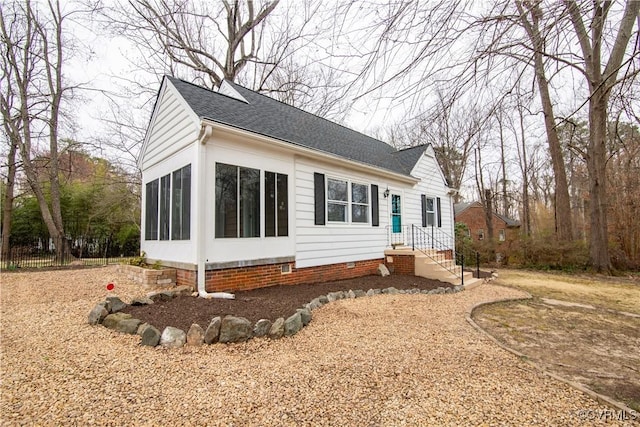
(580, 387)
(229, 329)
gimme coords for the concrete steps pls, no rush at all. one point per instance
(434, 265)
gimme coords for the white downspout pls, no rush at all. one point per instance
(200, 232)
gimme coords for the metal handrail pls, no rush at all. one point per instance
(421, 240)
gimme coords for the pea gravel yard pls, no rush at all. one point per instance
(386, 360)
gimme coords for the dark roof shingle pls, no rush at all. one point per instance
(269, 117)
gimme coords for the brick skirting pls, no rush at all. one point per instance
(401, 264)
(246, 278)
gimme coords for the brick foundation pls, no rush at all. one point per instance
(246, 278)
(401, 264)
(187, 278)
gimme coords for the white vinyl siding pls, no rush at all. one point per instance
(335, 242)
(174, 127)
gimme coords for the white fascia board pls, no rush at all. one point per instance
(316, 154)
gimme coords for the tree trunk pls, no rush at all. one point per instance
(596, 164)
(562, 203)
(7, 203)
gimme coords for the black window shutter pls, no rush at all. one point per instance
(438, 208)
(318, 192)
(375, 212)
(423, 198)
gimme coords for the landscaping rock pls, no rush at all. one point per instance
(351, 294)
(305, 316)
(448, 291)
(391, 290)
(141, 301)
(323, 299)
(195, 335)
(334, 296)
(277, 329)
(213, 331)
(97, 315)
(293, 324)
(235, 329)
(128, 326)
(359, 293)
(150, 336)
(122, 322)
(383, 270)
(106, 305)
(141, 328)
(370, 293)
(113, 319)
(173, 337)
(261, 328)
(115, 304)
(458, 288)
(315, 304)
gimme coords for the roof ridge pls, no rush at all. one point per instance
(314, 115)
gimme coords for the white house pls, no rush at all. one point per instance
(242, 191)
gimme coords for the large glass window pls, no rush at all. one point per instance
(181, 207)
(226, 200)
(337, 200)
(165, 203)
(249, 202)
(359, 203)
(168, 206)
(237, 201)
(276, 199)
(151, 211)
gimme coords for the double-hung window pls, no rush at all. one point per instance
(359, 203)
(337, 200)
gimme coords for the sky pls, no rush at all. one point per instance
(104, 62)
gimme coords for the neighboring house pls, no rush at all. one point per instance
(242, 191)
(505, 230)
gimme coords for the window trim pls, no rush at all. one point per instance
(502, 235)
(481, 234)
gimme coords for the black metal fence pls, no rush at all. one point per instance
(47, 252)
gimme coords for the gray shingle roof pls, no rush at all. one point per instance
(269, 117)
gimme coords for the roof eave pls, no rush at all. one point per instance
(298, 149)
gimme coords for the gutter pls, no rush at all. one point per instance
(298, 149)
(205, 134)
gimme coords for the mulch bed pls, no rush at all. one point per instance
(264, 303)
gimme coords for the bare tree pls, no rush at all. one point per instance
(33, 91)
(600, 77)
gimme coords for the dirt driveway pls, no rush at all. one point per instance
(384, 360)
(586, 329)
